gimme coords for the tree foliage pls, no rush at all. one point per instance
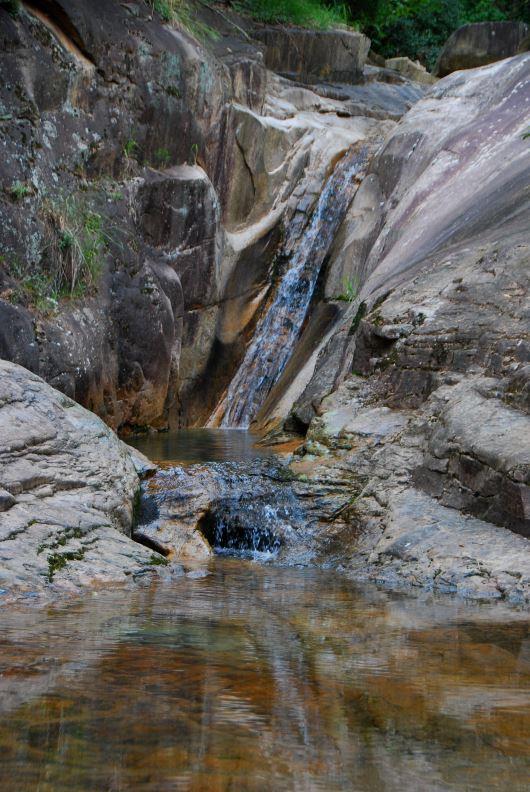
(419, 28)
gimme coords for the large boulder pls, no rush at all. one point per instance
(68, 487)
(312, 56)
(480, 43)
(414, 70)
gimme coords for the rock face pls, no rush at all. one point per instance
(155, 191)
(411, 69)
(479, 44)
(67, 489)
(311, 57)
(147, 180)
(434, 423)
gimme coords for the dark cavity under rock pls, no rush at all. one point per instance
(252, 508)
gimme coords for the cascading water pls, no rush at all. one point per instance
(276, 333)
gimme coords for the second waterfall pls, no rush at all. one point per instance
(279, 328)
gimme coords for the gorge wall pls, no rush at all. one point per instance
(147, 184)
(158, 193)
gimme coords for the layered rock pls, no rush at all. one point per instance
(434, 424)
(67, 492)
(147, 180)
(314, 56)
(480, 43)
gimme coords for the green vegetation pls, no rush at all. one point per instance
(12, 6)
(350, 289)
(419, 28)
(183, 13)
(356, 321)
(75, 246)
(194, 153)
(19, 190)
(130, 147)
(162, 157)
(58, 561)
(72, 257)
(306, 13)
(115, 195)
(158, 560)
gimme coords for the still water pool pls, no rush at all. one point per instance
(236, 676)
(191, 446)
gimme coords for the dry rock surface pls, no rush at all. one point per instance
(67, 490)
(481, 43)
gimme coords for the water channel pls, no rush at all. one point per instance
(235, 675)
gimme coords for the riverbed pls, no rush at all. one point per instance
(239, 676)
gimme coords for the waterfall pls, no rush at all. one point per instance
(278, 330)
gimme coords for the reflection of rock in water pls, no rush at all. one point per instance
(253, 678)
(273, 341)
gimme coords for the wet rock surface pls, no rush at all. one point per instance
(193, 172)
(434, 422)
(264, 509)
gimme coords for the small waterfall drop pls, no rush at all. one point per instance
(278, 330)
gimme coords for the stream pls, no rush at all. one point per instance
(230, 674)
(238, 676)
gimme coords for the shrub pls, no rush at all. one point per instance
(420, 28)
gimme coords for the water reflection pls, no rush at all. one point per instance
(190, 446)
(256, 678)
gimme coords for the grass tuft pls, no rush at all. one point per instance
(350, 289)
(305, 13)
(182, 13)
(72, 256)
(18, 191)
(75, 246)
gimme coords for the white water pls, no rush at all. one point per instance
(278, 330)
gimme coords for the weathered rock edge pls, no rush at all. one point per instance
(67, 492)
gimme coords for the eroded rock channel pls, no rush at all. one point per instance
(326, 251)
